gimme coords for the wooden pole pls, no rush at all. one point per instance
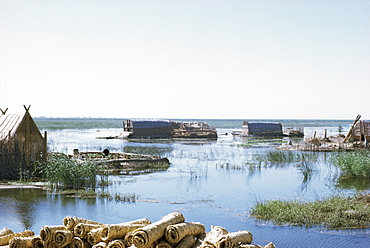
(351, 131)
(3, 111)
(45, 151)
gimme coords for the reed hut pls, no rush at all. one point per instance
(262, 128)
(21, 143)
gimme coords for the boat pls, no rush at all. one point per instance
(164, 129)
(123, 163)
(293, 132)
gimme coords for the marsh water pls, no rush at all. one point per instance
(214, 182)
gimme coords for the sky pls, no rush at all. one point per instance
(200, 59)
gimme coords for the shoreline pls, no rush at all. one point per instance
(20, 186)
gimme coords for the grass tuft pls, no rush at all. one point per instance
(354, 164)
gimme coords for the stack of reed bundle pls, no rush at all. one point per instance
(171, 231)
(7, 235)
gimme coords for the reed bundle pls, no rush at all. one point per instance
(175, 233)
(5, 231)
(147, 235)
(171, 231)
(25, 242)
(5, 240)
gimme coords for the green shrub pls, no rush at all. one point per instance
(67, 173)
(353, 164)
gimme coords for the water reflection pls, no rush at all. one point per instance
(21, 204)
(358, 184)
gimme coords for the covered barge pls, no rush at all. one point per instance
(165, 129)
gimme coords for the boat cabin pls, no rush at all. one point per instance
(262, 128)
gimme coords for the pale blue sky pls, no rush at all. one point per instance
(282, 59)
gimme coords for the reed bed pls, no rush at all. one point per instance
(274, 157)
(355, 164)
(66, 173)
(331, 212)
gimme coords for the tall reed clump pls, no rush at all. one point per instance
(354, 164)
(284, 157)
(67, 173)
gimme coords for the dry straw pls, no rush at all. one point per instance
(233, 239)
(187, 242)
(119, 231)
(100, 245)
(26, 242)
(213, 236)
(94, 236)
(163, 244)
(77, 242)
(5, 240)
(118, 243)
(82, 229)
(175, 233)
(47, 233)
(146, 236)
(63, 237)
(171, 231)
(71, 222)
(5, 231)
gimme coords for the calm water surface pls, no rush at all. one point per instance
(208, 181)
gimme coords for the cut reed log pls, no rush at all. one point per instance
(5, 231)
(128, 239)
(94, 236)
(82, 229)
(5, 240)
(211, 239)
(175, 233)
(26, 242)
(71, 222)
(118, 231)
(269, 245)
(233, 239)
(163, 244)
(144, 237)
(47, 233)
(100, 245)
(187, 242)
(118, 243)
(62, 237)
(77, 242)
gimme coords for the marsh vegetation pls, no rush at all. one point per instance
(330, 212)
(355, 164)
(65, 173)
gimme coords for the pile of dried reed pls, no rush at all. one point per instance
(171, 231)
